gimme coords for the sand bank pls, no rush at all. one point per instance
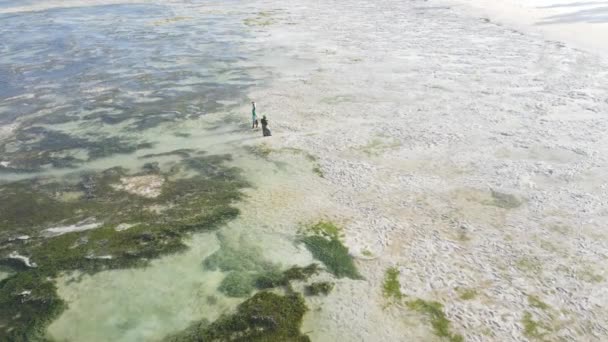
(582, 24)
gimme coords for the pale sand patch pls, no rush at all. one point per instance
(149, 186)
(47, 5)
(7, 130)
(582, 24)
(78, 227)
(26, 261)
(124, 226)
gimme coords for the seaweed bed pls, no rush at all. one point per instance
(249, 270)
(318, 288)
(37, 147)
(441, 325)
(264, 317)
(439, 322)
(323, 241)
(391, 287)
(268, 316)
(126, 228)
(42, 235)
(196, 195)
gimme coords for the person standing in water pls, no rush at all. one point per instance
(265, 130)
(254, 116)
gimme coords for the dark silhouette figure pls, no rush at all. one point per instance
(265, 130)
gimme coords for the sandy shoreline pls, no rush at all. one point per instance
(424, 118)
(582, 24)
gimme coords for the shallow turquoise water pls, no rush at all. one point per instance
(91, 87)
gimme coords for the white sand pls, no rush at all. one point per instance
(78, 227)
(582, 24)
(417, 111)
(149, 186)
(47, 5)
(26, 260)
(7, 131)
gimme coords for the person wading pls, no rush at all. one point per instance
(265, 130)
(254, 116)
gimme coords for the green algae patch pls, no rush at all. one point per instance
(534, 329)
(316, 167)
(541, 324)
(39, 146)
(274, 278)
(264, 317)
(531, 327)
(260, 150)
(535, 302)
(391, 287)
(466, 294)
(378, 146)
(367, 253)
(171, 20)
(115, 196)
(503, 200)
(22, 206)
(319, 288)
(301, 273)
(323, 241)
(587, 274)
(243, 258)
(249, 270)
(440, 323)
(264, 151)
(270, 279)
(237, 284)
(182, 152)
(531, 265)
(261, 19)
(195, 194)
(28, 302)
(241, 284)
(333, 254)
(327, 229)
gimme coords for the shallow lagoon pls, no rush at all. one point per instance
(111, 86)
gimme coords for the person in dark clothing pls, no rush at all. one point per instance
(265, 130)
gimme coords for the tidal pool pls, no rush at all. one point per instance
(149, 303)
